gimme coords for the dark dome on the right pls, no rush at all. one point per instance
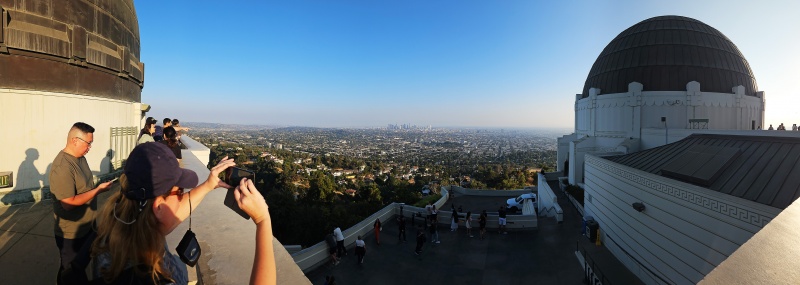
(667, 52)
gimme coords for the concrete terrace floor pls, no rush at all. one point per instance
(543, 256)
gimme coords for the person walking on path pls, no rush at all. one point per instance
(72, 184)
(454, 221)
(337, 233)
(482, 223)
(502, 220)
(361, 250)
(429, 210)
(331, 240)
(401, 227)
(433, 230)
(378, 229)
(420, 240)
(468, 223)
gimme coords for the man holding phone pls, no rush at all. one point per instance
(72, 184)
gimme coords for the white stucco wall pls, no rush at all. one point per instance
(37, 126)
(548, 202)
(685, 230)
(631, 121)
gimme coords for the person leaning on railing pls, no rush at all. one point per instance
(131, 247)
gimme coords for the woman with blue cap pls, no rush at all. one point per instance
(131, 247)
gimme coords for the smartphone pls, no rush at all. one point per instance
(233, 176)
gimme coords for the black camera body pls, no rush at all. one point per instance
(189, 249)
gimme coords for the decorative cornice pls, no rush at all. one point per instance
(681, 193)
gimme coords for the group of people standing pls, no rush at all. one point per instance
(126, 240)
(168, 134)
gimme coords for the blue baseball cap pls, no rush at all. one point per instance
(152, 170)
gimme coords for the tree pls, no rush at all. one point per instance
(321, 187)
(370, 193)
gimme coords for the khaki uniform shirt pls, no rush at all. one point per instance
(71, 176)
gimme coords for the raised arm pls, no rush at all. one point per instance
(252, 203)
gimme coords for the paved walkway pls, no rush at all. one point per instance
(28, 253)
(543, 256)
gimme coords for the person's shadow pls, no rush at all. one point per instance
(28, 179)
(105, 165)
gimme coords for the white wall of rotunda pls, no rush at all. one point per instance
(37, 126)
(653, 118)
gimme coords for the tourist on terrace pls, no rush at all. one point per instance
(131, 248)
(340, 249)
(378, 229)
(482, 223)
(361, 249)
(178, 128)
(146, 134)
(433, 230)
(429, 209)
(420, 240)
(501, 220)
(74, 192)
(170, 139)
(331, 240)
(468, 223)
(454, 221)
(157, 135)
(177, 125)
(401, 227)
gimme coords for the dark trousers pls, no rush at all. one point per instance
(340, 248)
(360, 251)
(419, 246)
(73, 251)
(402, 234)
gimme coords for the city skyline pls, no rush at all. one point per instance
(456, 64)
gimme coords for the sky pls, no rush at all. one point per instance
(444, 63)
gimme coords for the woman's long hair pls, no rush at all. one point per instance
(146, 129)
(171, 136)
(139, 244)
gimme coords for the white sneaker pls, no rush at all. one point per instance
(438, 241)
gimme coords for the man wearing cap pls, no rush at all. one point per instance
(72, 184)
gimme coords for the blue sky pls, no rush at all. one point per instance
(440, 63)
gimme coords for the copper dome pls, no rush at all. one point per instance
(667, 52)
(79, 47)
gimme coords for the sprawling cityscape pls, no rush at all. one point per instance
(567, 142)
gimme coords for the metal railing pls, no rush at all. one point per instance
(591, 274)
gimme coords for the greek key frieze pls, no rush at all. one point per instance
(692, 197)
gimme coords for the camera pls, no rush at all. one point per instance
(233, 175)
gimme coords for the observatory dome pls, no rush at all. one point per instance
(665, 53)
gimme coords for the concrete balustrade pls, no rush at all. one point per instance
(316, 255)
(312, 257)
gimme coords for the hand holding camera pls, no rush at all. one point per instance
(250, 200)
